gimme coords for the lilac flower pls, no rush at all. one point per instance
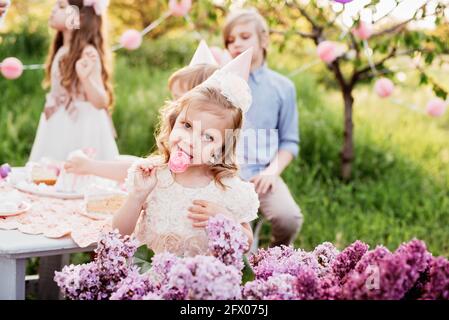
(308, 285)
(99, 279)
(282, 260)
(277, 287)
(325, 253)
(135, 286)
(383, 275)
(79, 282)
(151, 296)
(417, 258)
(282, 273)
(161, 265)
(227, 241)
(437, 286)
(347, 259)
(202, 278)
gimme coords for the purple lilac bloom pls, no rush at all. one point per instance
(202, 278)
(437, 286)
(383, 275)
(227, 241)
(325, 253)
(281, 260)
(277, 287)
(348, 259)
(135, 286)
(308, 285)
(99, 279)
(161, 265)
(79, 282)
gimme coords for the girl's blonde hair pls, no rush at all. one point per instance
(210, 100)
(191, 76)
(243, 16)
(91, 32)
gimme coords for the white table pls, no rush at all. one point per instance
(16, 247)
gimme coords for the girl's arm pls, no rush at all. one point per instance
(114, 170)
(88, 69)
(143, 183)
(126, 217)
(249, 232)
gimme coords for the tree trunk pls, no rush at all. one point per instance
(347, 152)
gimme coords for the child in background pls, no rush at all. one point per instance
(4, 5)
(77, 108)
(178, 197)
(274, 113)
(200, 68)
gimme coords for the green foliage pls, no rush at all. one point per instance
(142, 258)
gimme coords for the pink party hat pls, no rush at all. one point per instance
(241, 65)
(203, 55)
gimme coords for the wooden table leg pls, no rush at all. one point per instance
(47, 288)
(12, 279)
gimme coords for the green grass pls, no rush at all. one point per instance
(401, 173)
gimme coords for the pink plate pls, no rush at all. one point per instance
(23, 207)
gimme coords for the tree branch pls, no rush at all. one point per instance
(316, 28)
(402, 24)
(392, 29)
(360, 73)
(299, 33)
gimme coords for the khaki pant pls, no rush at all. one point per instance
(281, 210)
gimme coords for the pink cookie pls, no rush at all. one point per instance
(179, 162)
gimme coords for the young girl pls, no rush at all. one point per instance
(274, 113)
(77, 108)
(203, 127)
(200, 68)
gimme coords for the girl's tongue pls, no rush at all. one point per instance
(179, 161)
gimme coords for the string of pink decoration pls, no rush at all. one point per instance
(12, 68)
(327, 51)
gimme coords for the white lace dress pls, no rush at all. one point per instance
(74, 124)
(164, 225)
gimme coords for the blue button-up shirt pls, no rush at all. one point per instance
(271, 124)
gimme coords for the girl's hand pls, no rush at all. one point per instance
(145, 180)
(79, 165)
(202, 210)
(87, 63)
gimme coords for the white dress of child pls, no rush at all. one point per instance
(74, 124)
(164, 226)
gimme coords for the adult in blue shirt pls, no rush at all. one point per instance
(270, 139)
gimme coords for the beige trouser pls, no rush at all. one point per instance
(281, 210)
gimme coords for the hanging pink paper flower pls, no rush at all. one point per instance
(11, 68)
(179, 8)
(328, 51)
(222, 56)
(343, 1)
(384, 87)
(131, 39)
(436, 107)
(363, 31)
